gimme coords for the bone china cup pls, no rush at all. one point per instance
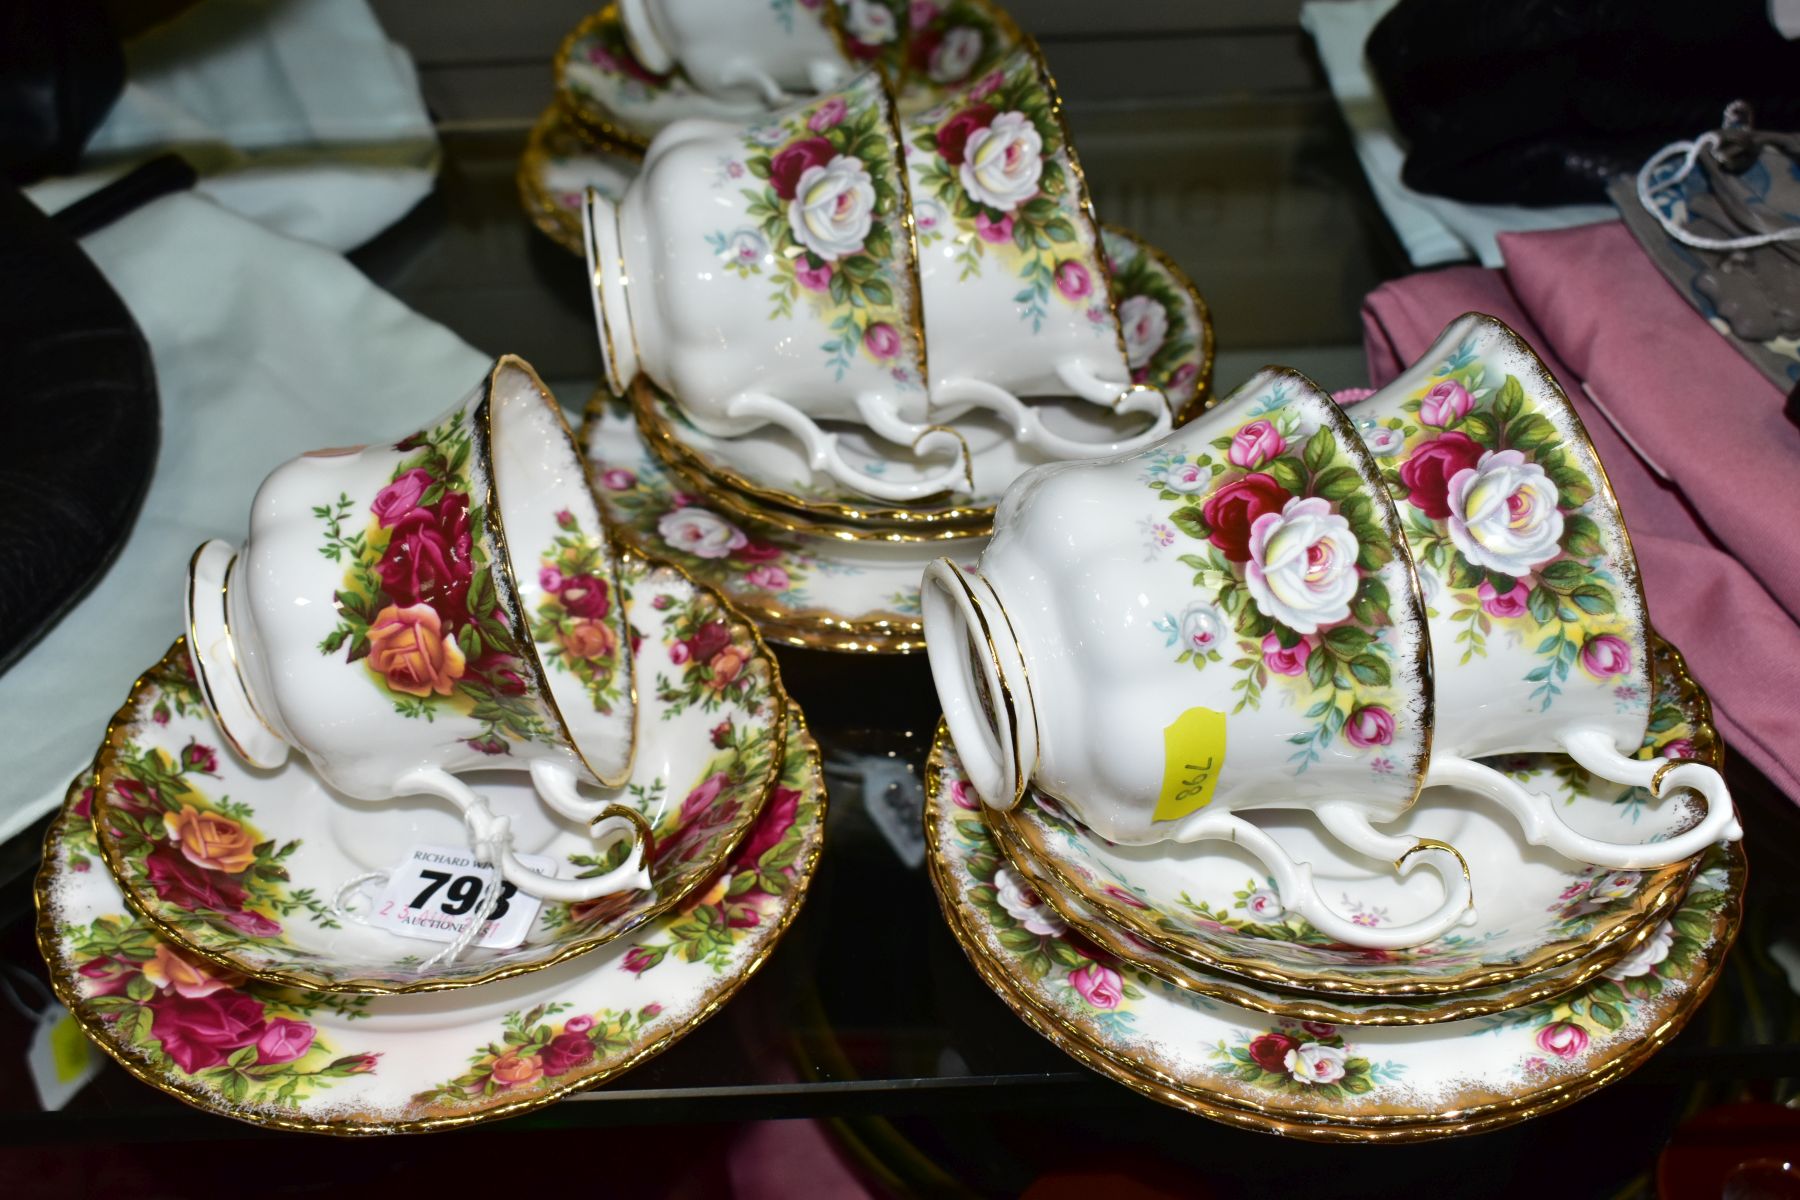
(737, 51)
(767, 275)
(393, 617)
(1016, 286)
(1224, 622)
(1532, 592)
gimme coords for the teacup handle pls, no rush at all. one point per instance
(632, 874)
(823, 453)
(1543, 826)
(1029, 429)
(1294, 882)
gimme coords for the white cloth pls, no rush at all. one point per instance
(264, 346)
(298, 113)
(1433, 229)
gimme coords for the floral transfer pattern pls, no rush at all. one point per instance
(1162, 344)
(570, 625)
(950, 44)
(991, 171)
(1504, 517)
(1248, 923)
(419, 605)
(1304, 1056)
(829, 229)
(1289, 578)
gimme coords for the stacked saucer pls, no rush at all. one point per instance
(1208, 707)
(551, 807)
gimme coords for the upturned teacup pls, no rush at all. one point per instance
(1162, 640)
(406, 613)
(767, 275)
(766, 52)
(1536, 610)
(1016, 289)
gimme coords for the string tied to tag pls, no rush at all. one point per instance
(490, 837)
(1713, 142)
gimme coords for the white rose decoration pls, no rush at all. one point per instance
(928, 215)
(1646, 957)
(745, 247)
(1302, 568)
(1024, 906)
(1201, 628)
(1312, 1062)
(869, 23)
(1187, 478)
(1503, 513)
(1002, 163)
(955, 56)
(700, 533)
(1264, 905)
(1146, 324)
(833, 208)
(1615, 885)
(1382, 441)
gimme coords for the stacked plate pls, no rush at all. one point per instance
(1208, 706)
(819, 523)
(324, 941)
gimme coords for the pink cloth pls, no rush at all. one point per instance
(1738, 641)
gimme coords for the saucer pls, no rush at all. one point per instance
(1315, 1079)
(802, 589)
(1209, 904)
(561, 161)
(1169, 343)
(345, 1064)
(611, 94)
(255, 870)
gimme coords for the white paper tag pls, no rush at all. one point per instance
(60, 1058)
(432, 894)
(896, 803)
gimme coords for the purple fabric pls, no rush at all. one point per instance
(1740, 643)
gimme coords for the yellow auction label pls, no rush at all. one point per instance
(1193, 755)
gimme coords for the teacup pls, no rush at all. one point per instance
(1017, 294)
(395, 616)
(760, 51)
(767, 275)
(1162, 640)
(1536, 610)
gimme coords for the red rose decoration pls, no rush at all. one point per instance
(713, 637)
(565, 1052)
(1232, 509)
(771, 826)
(703, 795)
(399, 498)
(787, 167)
(923, 45)
(586, 596)
(1270, 1051)
(756, 552)
(953, 135)
(179, 882)
(429, 559)
(203, 1033)
(1427, 474)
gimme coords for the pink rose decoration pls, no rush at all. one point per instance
(1322, 1029)
(400, 497)
(578, 1025)
(284, 1041)
(1371, 725)
(1099, 986)
(1255, 444)
(813, 279)
(638, 959)
(678, 653)
(768, 578)
(565, 1052)
(882, 340)
(1184, 375)
(618, 479)
(1073, 280)
(1563, 1039)
(1680, 748)
(253, 924)
(921, 13)
(1606, 656)
(1285, 660)
(962, 794)
(990, 83)
(703, 796)
(1503, 604)
(828, 114)
(1445, 405)
(994, 231)
(777, 818)
(550, 579)
(204, 1032)
(203, 759)
(650, 1011)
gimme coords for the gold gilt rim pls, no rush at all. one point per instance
(852, 521)
(1552, 393)
(123, 722)
(558, 224)
(1311, 1007)
(95, 1027)
(1606, 946)
(877, 632)
(1388, 1125)
(590, 116)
